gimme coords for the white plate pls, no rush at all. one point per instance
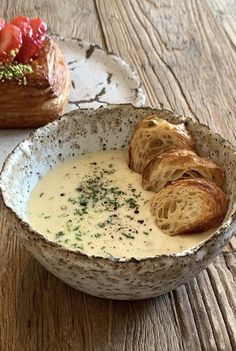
(98, 78)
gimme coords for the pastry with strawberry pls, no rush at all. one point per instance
(34, 77)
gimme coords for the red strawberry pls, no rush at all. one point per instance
(39, 28)
(10, 42)
(28, 50)
(22, 22)
(32, 41)
(2, 23)
(28, 46)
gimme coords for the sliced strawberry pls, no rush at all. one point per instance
(10, 42)
(39, 27)
(28, 50)
(2, 23)
(23, 23)
(28, 46)
(32, 41)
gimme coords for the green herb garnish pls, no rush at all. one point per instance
(132, 202)
(59, 234)
(72, 200)
(129, 236)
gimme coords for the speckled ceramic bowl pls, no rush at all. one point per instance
(93, 130)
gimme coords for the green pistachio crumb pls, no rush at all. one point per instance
(15, 70)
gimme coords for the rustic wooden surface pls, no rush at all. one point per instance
(185, 55)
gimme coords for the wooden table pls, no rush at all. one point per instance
(184, 52)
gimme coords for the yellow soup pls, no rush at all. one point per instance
(96, 204)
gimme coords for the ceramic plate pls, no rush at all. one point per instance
(98, 77)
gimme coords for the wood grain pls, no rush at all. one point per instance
(73, 18)
(225, 14)
(181, 53)
(185, 56)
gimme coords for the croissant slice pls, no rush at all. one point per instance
(189, 206)
(45, 94)
(179, 164)
(153, 136)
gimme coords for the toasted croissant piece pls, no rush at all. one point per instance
(189, 206)
(179, 164)
(45, 95)
(153, 136)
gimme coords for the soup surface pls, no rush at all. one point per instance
(96, 204)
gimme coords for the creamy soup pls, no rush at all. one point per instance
(96, 204)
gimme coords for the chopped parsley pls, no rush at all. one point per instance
(129, 236)
(59, 234)
(132, 202)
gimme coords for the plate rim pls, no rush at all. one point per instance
(140, 96)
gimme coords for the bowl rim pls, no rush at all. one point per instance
(231, 221)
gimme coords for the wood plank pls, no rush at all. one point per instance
(185, 60)
(225, 13)
(74, 18)
(39, 312)
(206, 307)
(31, 316)
(183, 57)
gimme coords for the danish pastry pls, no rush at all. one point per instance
(34, 77)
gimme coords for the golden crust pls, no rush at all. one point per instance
(179, 164)
(45, 95)
(189, 206)
(153, 136)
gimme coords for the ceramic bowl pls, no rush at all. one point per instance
(89, 131)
